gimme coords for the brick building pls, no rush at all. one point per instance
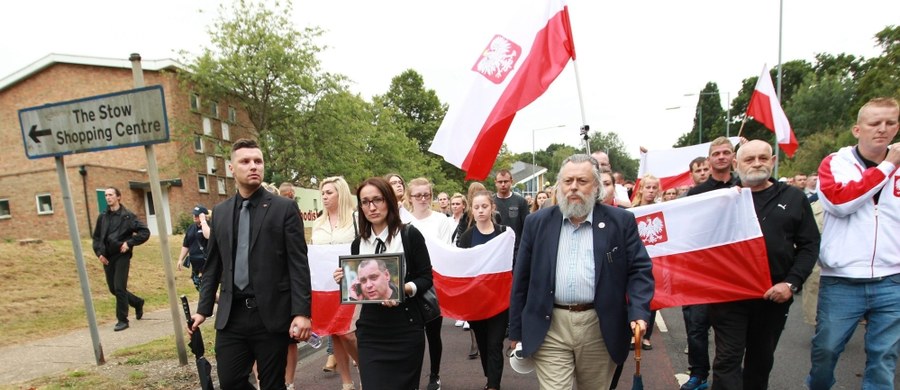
(192, 165)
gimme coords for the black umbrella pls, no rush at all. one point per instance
(204, 369)
(638, 383)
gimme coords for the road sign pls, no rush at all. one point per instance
(116, 120)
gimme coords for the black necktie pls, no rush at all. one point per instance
(379, 246)
(241, 267)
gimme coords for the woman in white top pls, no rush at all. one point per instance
(336, 225)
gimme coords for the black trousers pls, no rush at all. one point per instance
(435, 346)
(117, 282)
(696, 323)
(489, 334)
(245, 340)
(746, 331)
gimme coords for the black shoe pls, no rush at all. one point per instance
(139, 310)
(121, 326)
(434, 382)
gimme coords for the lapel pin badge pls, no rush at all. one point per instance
(601, 225)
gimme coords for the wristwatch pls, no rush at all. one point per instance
(793, 288)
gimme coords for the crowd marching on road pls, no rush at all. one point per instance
(574, 285)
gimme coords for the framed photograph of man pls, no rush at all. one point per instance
(372, 278)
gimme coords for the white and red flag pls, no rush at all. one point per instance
(474, 283)
(328, 315)
(672, 166)
(706, 248)
(765, 109)
(471, 284)
(517, 65)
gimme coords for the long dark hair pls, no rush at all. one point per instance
(393, 215)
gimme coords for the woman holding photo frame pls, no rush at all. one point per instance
(336, 226)
(390, 334)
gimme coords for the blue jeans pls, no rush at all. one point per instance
(843, 302)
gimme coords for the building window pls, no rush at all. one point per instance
(201, 183)
(214, 109)
(210, 165)
(221, 186)
(232, 115)
(44, 204)
(4, 209)
(195, 102)
(198, 144)
(227, 171)
(207, 126)
(226, 131)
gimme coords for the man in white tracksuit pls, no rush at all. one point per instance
(859, 187)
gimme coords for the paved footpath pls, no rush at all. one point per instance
(74, 350)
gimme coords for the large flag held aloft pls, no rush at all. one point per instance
(517, 65)
(706, 248)
(765, 109)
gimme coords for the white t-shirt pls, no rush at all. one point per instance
(436, 225)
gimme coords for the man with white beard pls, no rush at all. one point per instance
(747, 331)
(559, 297)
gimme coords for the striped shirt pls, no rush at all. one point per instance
(575, 263)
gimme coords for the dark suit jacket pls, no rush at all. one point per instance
(622, 275)
(279, 268)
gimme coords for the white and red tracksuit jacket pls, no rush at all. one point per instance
(861, 239)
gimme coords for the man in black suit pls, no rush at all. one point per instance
(265, 292)
(582, 277)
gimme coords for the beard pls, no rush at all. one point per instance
(755, 177)
(579, 209)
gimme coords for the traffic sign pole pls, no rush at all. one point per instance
(79, 259)
(161, 219)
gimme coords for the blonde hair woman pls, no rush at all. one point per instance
(337, 225)
(649, 192)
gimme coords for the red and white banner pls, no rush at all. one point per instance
(328, 315)
(672, 166)
(706, 248)
(516, 66)
(472, 284)
(765, 109)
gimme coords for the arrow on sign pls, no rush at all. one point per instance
(35, 133)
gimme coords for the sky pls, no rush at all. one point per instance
(636, 59)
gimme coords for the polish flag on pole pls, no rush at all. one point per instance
(706, 248)
(517, 65)
(765, 109)
(329, 316)
(672, 166)
(474, 283)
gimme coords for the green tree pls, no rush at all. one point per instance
(619, 159)
(709, 104)
(258, 59)
(882, 76)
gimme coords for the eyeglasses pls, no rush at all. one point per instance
(424, 196)
(377, 201)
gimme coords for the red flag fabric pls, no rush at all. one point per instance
(515, 68)
(765, 109)
(671, 166)
(706, 248)
(328, 315)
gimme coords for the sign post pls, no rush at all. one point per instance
(116, 120)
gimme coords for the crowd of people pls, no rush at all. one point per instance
(582, 277)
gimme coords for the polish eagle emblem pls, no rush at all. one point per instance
(652, 229)
(498, 59)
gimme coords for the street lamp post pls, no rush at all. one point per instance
(533, 162)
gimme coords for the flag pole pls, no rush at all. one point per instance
(741, 130)
(584, 126)
(778, 91)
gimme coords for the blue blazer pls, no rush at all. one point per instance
(623, 277)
